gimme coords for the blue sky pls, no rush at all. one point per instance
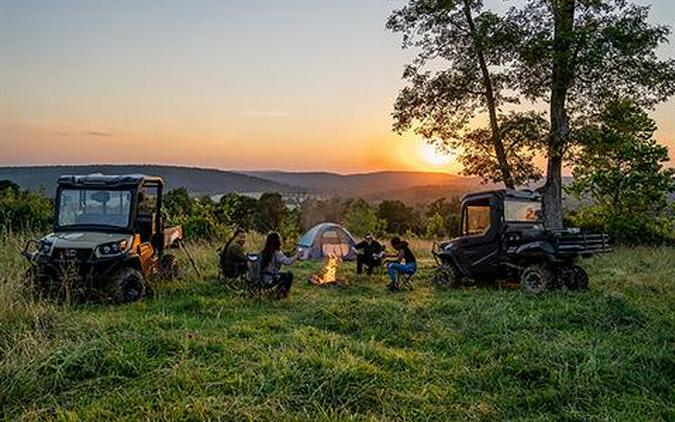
(296, 84)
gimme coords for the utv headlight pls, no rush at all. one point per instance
(112, 248)
(45, 247)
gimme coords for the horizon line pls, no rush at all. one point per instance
(238, 171)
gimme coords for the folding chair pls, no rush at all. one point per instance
(405, 281)
(256, 288)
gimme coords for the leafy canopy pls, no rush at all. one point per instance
(620, 165)
(462, 70)
(612, 54)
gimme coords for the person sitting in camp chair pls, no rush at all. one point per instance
(233, 258)
(401, 262)
(272, 259)
(368, 254)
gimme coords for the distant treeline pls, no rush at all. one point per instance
(206, 219)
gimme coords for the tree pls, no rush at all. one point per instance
(316, 211)
(440, 106)
(240, 210)
(621, 167)
(398, 217)
(523, 136)
(575, 54)
(436, 227)
(361, 218)
(177, 202)
(290, 228)
(8, 185)
(24, 210)
(271, 212)
(450, 213)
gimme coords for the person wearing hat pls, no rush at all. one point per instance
(368, 254)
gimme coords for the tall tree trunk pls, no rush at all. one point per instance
(496, 137)
(562, 76)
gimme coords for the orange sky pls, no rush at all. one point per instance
(307, 85)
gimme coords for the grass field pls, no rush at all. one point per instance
(196, 351)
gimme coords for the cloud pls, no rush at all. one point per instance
(264, 114)
(97, 133)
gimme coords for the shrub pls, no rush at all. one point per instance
(361, 218)
(630, 229)
(22, 210)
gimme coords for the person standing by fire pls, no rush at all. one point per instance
(368, 253)
(404, 262)
(272, 259)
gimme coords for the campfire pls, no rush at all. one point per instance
(329, 276)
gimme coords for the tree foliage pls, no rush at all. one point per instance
(23, 210)
(577, 54)
(474, 49)
(177, 201)
(271, 212)
(399, 217)
(239, 210)
(449, 211)
(361, 218)
(523, 135)
(621, 167)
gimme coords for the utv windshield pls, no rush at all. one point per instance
(81, 207)
(516, 211)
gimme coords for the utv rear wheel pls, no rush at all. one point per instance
(127, 286)
(537, 278)
(447, 276)
(580, 278)
(169, 268)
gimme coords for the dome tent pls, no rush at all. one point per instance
(327, 239)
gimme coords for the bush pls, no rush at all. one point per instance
(361, 219)
(629, 229)
(22, 210)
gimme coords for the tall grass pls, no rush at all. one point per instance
(197, 351)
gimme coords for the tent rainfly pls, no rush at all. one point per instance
(327, 239)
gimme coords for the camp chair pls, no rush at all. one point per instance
(405, 280)
(255, 288)
(236, 283)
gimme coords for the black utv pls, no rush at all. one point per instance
(108, 239)
(502, 237)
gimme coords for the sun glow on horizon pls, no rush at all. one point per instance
(434, 157)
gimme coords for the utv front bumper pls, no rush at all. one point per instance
(78, 264)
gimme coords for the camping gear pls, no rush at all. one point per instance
(327, 239)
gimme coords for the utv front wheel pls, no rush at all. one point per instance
(34, 283)
(537, 278)
(127, 286)
(447, 276)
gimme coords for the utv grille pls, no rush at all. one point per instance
(584, 242)
(72, 254)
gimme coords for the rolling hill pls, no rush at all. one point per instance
(196, 180)
(369, 184)
(408, 186)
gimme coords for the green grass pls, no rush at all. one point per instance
(196, 351)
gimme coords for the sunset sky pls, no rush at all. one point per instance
(255, 84)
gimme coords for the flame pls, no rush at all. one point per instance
(330, 269)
